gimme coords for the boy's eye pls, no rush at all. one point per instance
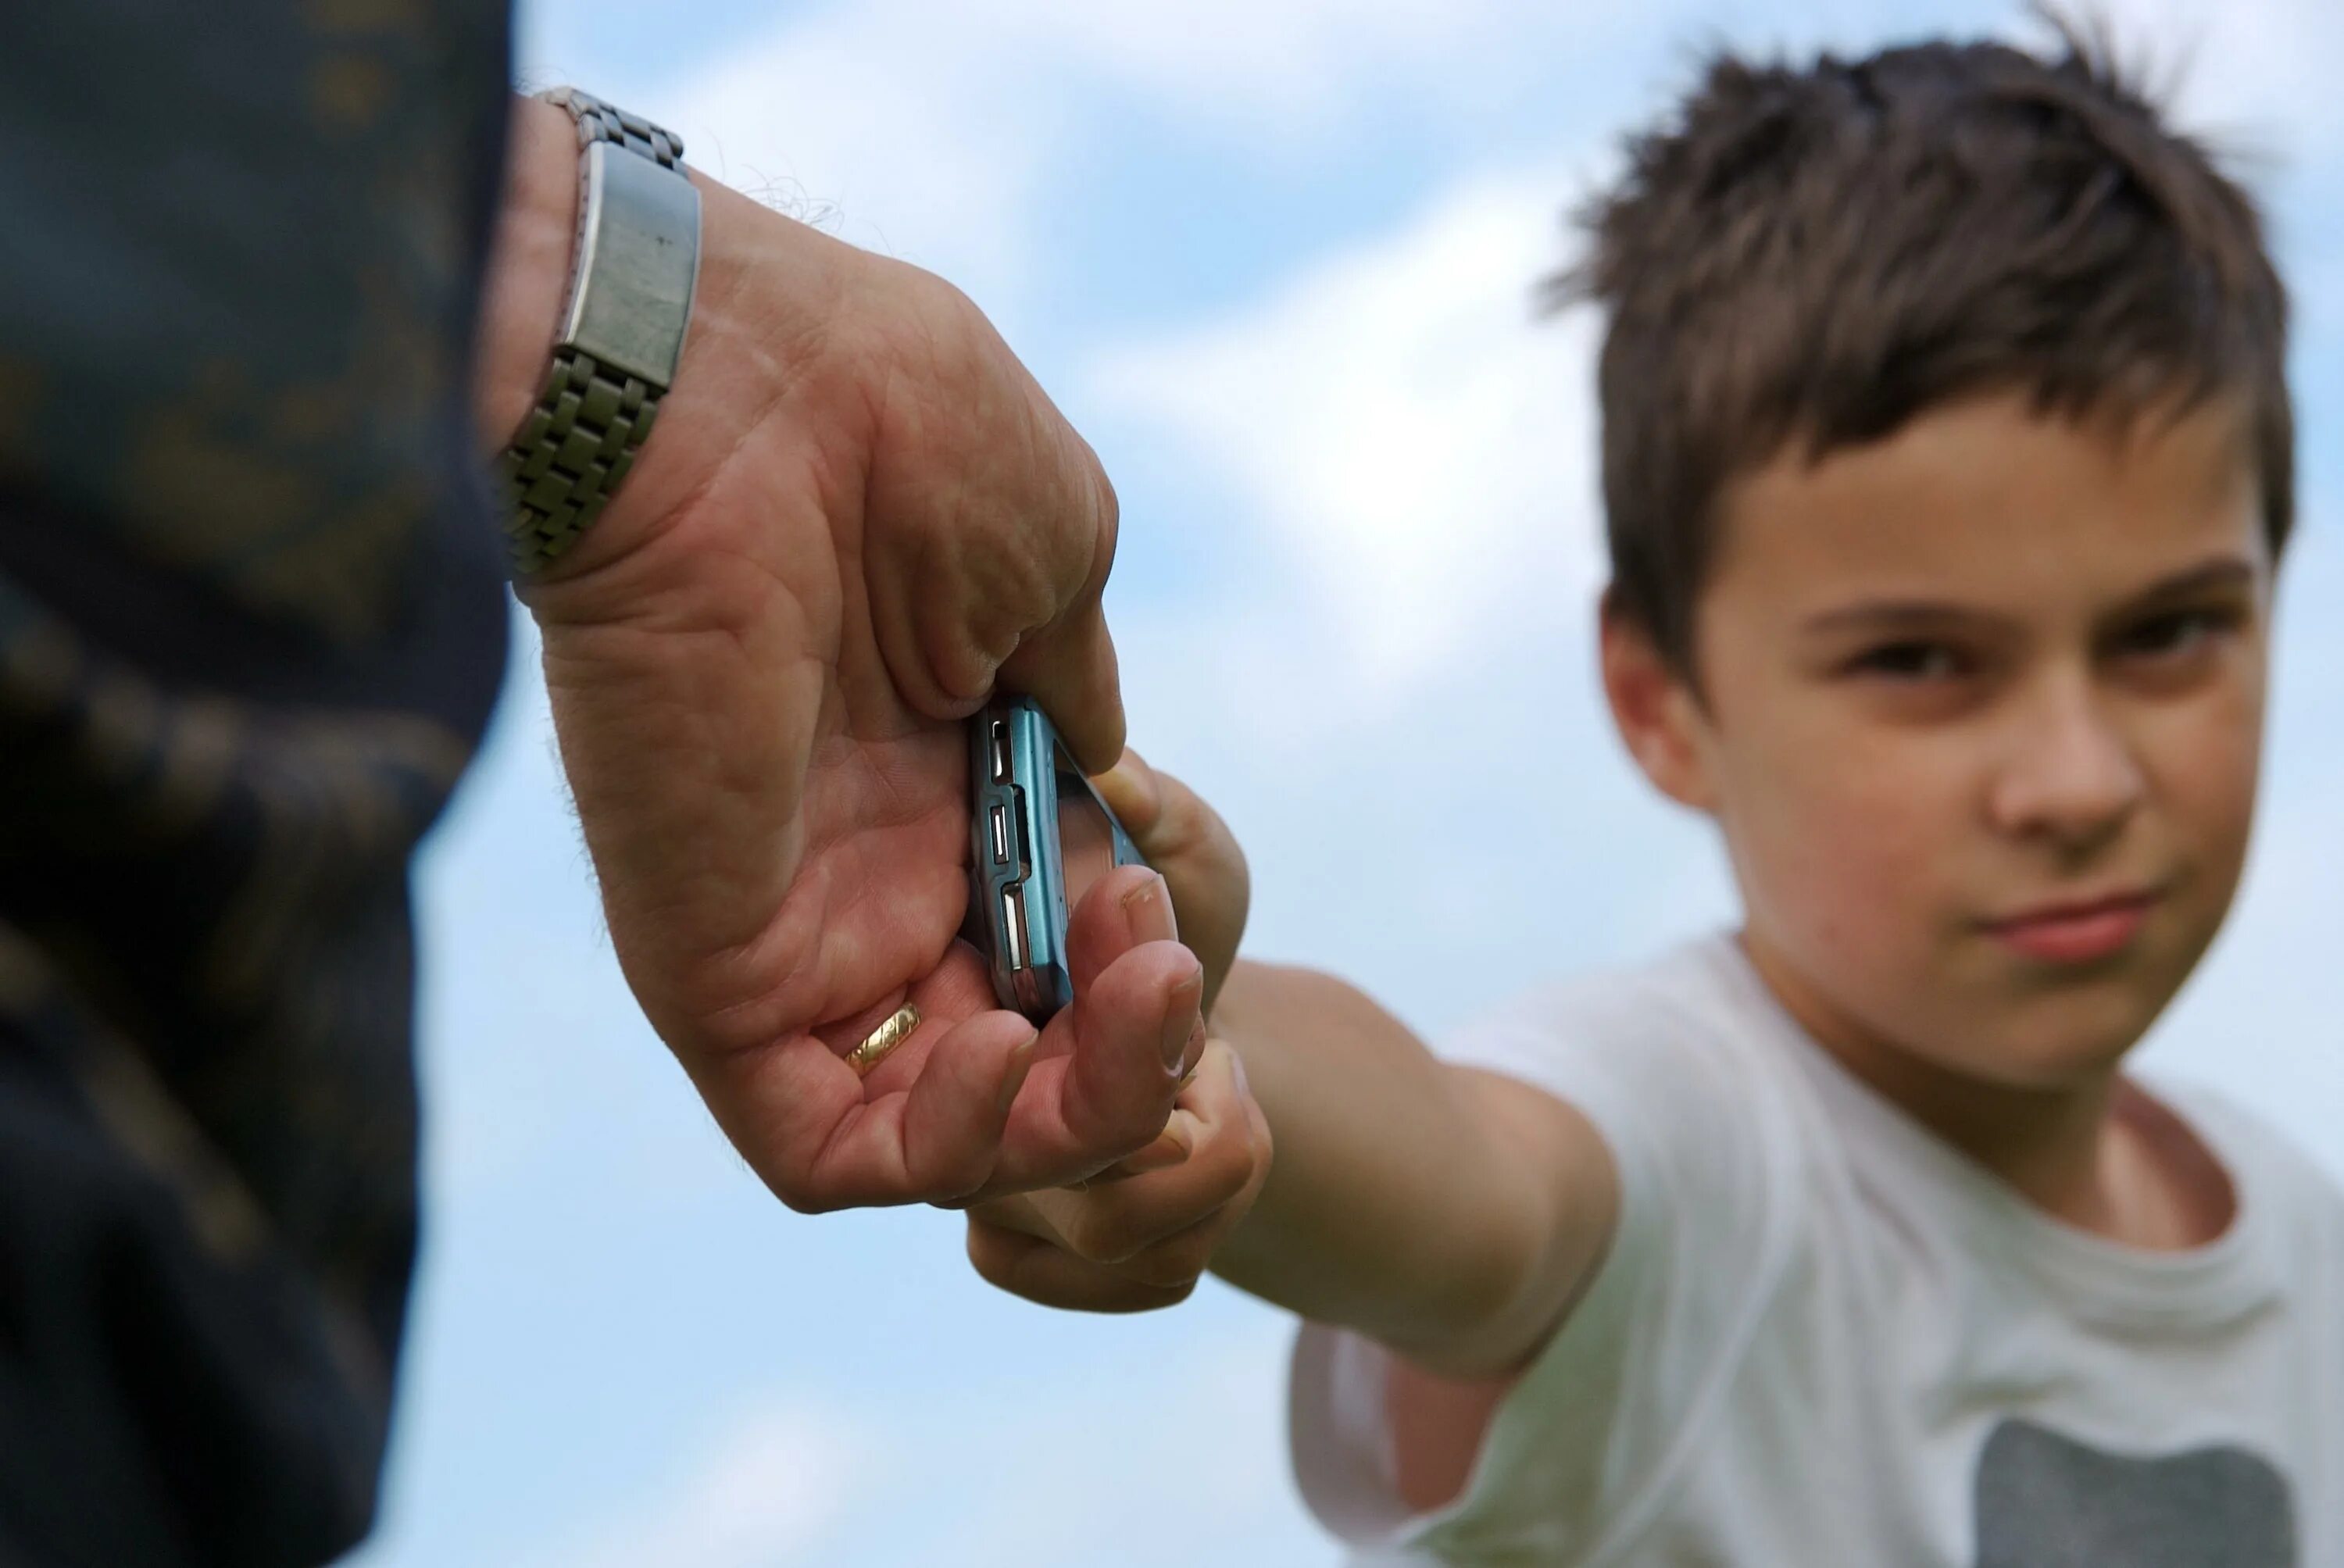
(2175, 632)
(1913, 661)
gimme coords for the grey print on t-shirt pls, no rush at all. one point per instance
(2045, 1501)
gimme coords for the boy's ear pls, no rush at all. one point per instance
(1660, 717)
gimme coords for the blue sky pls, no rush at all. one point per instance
(1273, 257)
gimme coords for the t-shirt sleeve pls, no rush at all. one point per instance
(1582, 1449)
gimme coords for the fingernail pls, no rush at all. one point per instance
(1148, 907)
(1013, 1079)
(1182, 1022)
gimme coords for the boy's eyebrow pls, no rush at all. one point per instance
(1888, 613)
(2226, 571)
(2222, 572)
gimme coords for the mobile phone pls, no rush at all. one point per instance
(1039, 835)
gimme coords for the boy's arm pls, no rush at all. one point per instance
(1450, 1214)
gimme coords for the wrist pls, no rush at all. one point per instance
(767, 288)
(530, 265)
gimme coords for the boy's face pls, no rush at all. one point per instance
(1982, 718)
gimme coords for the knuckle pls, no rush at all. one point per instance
(1182, 1260)
(1172, 1265)
(802, 1197)
(1101, 1239)
(957, 1192)
(950, 1183)
(1130, 1122)
(1004, 1266)
(986, 1255)
(1109, 505)
(1224, 1165)
(1177, 1294)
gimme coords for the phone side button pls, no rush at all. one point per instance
(1000, 835)
(1013, 923)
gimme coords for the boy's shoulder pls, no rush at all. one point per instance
(1695, 1014)
(2294, 1194)
(1693, 980)
(1681, 1064)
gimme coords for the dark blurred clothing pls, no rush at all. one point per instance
(251, 625)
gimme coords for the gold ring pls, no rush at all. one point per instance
(885, 1038)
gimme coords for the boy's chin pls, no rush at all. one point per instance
(2058, 1038)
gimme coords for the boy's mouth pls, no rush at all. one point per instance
(2077, 931)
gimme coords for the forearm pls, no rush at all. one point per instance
(1399, 1203)
(658, 619)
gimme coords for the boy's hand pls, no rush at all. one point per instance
(1138, 1235)
(1189, 846)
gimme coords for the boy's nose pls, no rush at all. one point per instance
(2068, 774)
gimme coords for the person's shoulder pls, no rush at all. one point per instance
(1654, 1014)
(2297, 1194)
(1668, 1059)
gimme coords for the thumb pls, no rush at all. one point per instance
(1069, 668)
(1193, 850)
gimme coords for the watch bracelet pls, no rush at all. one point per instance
(605, 122)
(558, 473)
(572, 453)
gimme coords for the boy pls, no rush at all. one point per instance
(1947, 459)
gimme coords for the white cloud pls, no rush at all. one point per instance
(1421, 447)
(2259, 73)
(1177, 1457)
(768, 1492)
(1299, 67)
(1186, 1465)
(928, 130)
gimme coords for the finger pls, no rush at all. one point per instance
(1131, 792)
(1181, 1134)
(1108, 1096)
(957, 1109)
(1167, 819)
(1184, 1254)
(1126, 908)
(1115, 1221)
(1040, 1272)
(937, 685)
(1071, 671)
(1018, 1212)
(824, 1139)
(1070, 665)
(1185, 840)
(1172, 1147)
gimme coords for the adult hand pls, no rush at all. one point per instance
(855, 513)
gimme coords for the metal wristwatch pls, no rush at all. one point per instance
(621, 329)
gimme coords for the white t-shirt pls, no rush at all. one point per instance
(1825, 1339)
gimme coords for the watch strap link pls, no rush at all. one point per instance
(577, 445)
(591, 419)
(602, 122)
